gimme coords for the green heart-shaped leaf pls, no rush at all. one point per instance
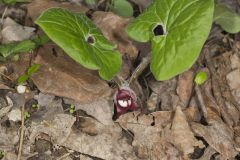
(227, 19)
(81, 40)
(177, 30)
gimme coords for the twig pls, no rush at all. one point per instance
(216, 88)
(143, 65)
(6, 76)
(3, 15)
(21, 136)
(201, 101)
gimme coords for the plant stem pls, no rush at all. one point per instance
(21, 136)
(140, 68)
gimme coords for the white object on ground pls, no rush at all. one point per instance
(21, 89)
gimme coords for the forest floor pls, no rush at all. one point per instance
(66, 112)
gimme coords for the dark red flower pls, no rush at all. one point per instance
(125, 100)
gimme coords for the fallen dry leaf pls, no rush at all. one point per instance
(107, 144)
(152, 102)
(5, 108)
(36, 8)
(113, 27)
(146, 134)
(234, 79)
(166, 91)
(219, 136)
(48, 111)
(192, 113)
(185, 86)
(235, 61)
(101, 109)
(61, 76)
(58, 129)
(9, 138)
(180, 134)
(208, 153)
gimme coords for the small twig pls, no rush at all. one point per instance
(201, 101)
(143, 65)
(6, 76)
(3, 15)
(216, 88)
(21, 135)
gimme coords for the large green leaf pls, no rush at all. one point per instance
(81, 40)
(186, 25)
(227, 19)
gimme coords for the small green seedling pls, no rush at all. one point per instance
(10, 50)
(71, 109)
(200, 78)
(176, 29)
(35, 106)
(34, 68)
(26, 115)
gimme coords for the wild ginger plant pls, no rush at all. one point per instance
(177, 30)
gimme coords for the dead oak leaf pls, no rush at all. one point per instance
(36, 8)
(113, 27)
(219, 136)
(180, 134)
(61, 76)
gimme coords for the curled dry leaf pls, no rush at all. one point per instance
(185, 86)
(219, 136)
(181, 135)
(59, 75)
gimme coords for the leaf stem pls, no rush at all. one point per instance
(140, 68)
